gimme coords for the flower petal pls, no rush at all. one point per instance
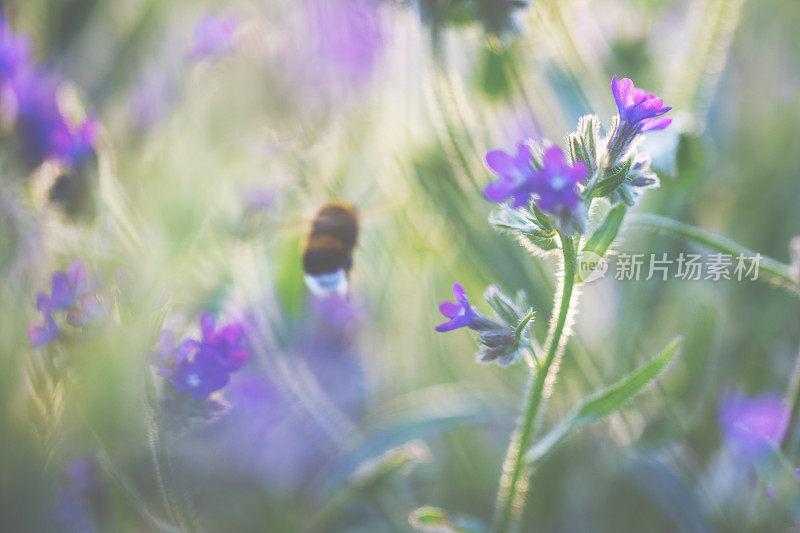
(449, 309)
(501, 163)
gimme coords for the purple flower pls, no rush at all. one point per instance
(516, 176)
(74, 145)
(213, 37)
(198, 368)
(200, 376)
(460, 313)
(224, 344)
(753, 425)
(169, 356)
(44, 132)
(556, 184)
(637, 107)
(15, 56)
(349, 35)
(42, 334)
(69, 293)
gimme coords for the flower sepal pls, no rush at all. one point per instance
(527, 228)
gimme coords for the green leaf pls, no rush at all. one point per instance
(612, 181)
(603, 237)
(604, 403)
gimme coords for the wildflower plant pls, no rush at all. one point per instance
(551, 193)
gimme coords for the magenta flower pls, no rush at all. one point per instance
(753, 426)
(213, 37)
(637, 107)
(460, 313)
(516, 176)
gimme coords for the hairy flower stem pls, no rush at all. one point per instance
(514, 479)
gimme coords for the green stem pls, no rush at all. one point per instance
(774, 271)
(793, 398)
(514, 480)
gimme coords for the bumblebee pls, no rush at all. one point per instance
(328, 249)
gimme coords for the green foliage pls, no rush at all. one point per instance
(603, 403)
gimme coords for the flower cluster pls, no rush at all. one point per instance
(199, 367)
(499, 339)
(69, 295)
(552, 182)
(601, 167)
(29, 101)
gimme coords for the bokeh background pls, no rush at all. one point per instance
(210, 168)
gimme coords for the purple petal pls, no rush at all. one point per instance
(655, 124)
(521, 199)
(498, 191)
(623, 95)
(39, 335)
(61, 296)
(207, 324)
(76, 274)
(524, 156)
(501, 163)
(449, 309)
(554, 157)
(460, 295)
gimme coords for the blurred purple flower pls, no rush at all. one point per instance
(15, 56)
(42, 334)
(169, 356)
(213, 37)
(225, 344)
(69, 293)
(349, 36)
(200, 375)
(460, 313)
(28, 98)
(516, 176)
(753, 425)
(637, 107)
(258, 199)
(82, 487)
(43, 130)
(67, 287)
(556, 185)
(198, 368)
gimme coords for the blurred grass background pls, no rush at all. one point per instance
(406, 147)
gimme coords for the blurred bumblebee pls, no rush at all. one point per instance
(328, 249)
